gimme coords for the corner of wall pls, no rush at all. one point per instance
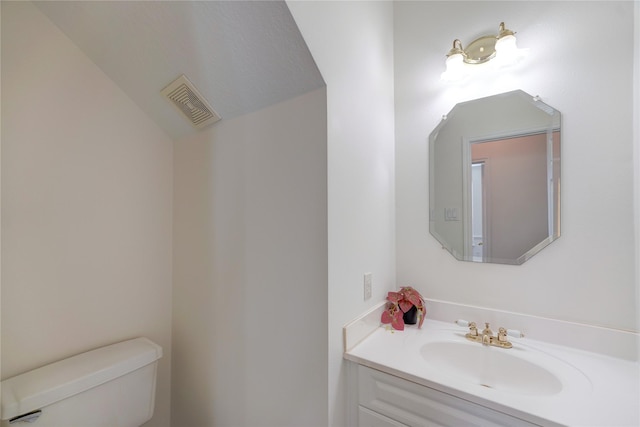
(636, 147)
(0, 192)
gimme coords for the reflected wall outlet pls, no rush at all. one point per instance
(367, 286)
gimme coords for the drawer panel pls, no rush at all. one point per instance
(416, 405)
(368, 418)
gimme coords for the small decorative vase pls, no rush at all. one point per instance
(411, 316)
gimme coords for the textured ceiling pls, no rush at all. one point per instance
(241, 55)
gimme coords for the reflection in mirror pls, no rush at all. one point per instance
(494, 178)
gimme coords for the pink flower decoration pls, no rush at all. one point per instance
(400, 303)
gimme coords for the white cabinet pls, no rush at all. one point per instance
(387, 401)
(369, 418)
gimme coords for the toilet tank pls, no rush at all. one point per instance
(112, 386)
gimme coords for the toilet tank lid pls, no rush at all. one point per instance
(51, 383)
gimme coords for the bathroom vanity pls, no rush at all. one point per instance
(388, 400)
(434, 376)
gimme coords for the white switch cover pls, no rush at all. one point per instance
(367, 286)
(450, 214)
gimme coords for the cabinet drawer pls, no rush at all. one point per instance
(368, 418)
(416, 405)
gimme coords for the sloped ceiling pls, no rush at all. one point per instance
(241, 55)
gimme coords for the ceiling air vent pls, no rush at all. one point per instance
(186, 98)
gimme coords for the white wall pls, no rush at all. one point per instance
(352, 44)
(86, 206)
(588, 275)
(636, 147)
(0, 196)
(250, 270)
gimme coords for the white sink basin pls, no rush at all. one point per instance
(507, 370)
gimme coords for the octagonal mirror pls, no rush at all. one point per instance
(494, 178)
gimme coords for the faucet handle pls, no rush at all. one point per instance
(462, 322)
(515, 333)
(501, 340)
(473, 329)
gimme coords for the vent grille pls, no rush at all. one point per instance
(186, 98)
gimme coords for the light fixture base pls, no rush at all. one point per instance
(481, 50)
(501, 47)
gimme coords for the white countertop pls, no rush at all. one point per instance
(599, 390)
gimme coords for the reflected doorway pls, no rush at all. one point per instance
(478, 206)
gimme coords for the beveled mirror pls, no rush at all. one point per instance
(494, 178)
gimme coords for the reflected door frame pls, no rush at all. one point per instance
(485, 195)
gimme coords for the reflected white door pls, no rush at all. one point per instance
(477, 211)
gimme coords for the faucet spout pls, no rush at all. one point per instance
(486, 339)
(487, 335)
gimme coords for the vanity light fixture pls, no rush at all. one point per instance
(500, 49)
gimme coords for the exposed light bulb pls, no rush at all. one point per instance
(507, 52)
(455, 68)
